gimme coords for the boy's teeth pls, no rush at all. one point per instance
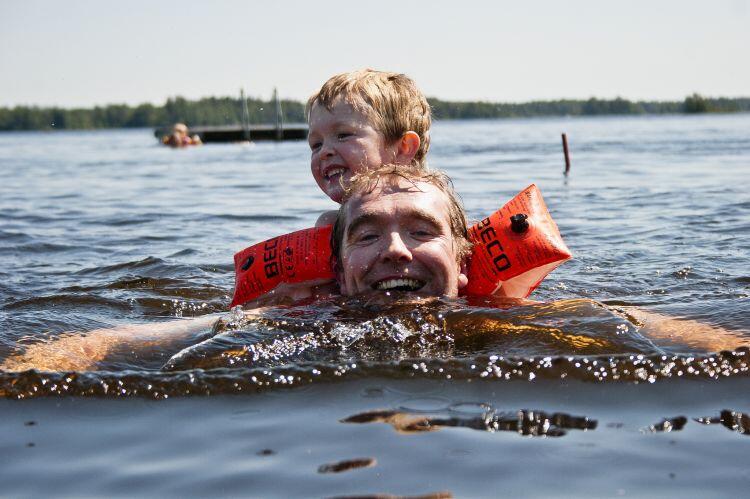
(335, 171)
(399, 284)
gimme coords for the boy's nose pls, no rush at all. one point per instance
(396, 250)
(326, 150)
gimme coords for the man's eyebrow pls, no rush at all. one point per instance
(370, 218)
(359, 221)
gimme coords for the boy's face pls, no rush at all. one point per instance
(398, 237)
(343, 142)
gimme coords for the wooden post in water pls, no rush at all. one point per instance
(565, 151)
(245, 116)
(279, 116)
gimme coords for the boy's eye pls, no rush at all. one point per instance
(315, 146)
(343, 135)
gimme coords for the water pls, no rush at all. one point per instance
(567, 397)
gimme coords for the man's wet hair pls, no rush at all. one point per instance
(392, 101)
(369, 180)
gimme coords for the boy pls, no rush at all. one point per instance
(360, 121)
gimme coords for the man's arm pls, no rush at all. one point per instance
(83, 351)
(669, 331)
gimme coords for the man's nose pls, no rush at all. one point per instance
(396, 249)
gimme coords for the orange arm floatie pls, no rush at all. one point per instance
(296, 257)
(514, 250)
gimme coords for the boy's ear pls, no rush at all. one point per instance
(408, 145)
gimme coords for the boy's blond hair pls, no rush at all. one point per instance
(391, 100)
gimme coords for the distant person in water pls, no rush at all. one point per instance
(399, 228)
(180, 137)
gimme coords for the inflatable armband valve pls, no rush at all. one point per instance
(514, 248)
(296, 257)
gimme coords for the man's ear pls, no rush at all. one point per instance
(463, 280)
(340, 278)
(407, 147)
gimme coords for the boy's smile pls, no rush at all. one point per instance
(343, 142)
(398, 237)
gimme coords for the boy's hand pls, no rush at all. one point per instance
(286, 294)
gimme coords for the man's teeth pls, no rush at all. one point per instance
(399, 284)
(335, 171)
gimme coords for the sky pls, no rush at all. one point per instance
(80, 53)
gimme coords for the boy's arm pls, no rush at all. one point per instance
(83, 351)
(670, 331)
(286, 293)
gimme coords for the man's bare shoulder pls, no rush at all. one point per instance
(326, 218)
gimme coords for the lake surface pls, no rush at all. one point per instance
(477, 399)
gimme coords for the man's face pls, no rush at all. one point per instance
(398, 237)
(343, 142)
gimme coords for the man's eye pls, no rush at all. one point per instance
(367, 238)
(422, 233)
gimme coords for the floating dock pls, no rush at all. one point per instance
(245, 132)
(212, 134)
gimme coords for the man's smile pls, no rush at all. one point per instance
(398, 284)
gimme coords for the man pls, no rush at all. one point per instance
(398, 229)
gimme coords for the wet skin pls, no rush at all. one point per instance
(344, 142)
(398, 237)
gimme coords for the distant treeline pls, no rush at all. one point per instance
(206, 111)
(592, 107)
(228, 111)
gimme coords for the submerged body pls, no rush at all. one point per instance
(375, 327)
(389, 329)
